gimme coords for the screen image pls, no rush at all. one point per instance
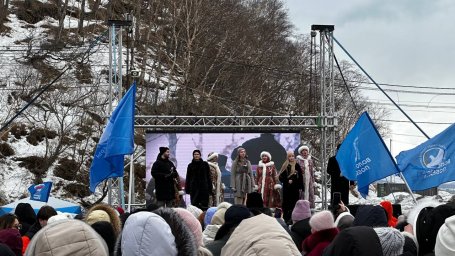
(181, 146)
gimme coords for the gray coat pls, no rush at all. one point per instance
(242, 179)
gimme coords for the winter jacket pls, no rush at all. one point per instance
(371, 216)
(113, 216)
(209, 233)
(315, 244)
(67, 237)
(6, 251)
(164, 173)
(198, 183)
(215, 246)
(260, 235)
(12, 238)
(300, 231)
(355, 241)
(146, 233)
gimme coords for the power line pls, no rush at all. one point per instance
(406, 121)
(406, 91)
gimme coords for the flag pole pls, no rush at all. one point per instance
(131, 183)
(409, 188)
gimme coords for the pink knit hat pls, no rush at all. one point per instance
(193, 224)
(322, 220)
(301, 210)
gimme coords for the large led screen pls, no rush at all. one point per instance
(225, 144)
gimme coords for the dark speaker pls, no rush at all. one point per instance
(396, 209)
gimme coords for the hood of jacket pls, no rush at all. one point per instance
(146, 233)
(260, 235)
(67, 237)
(113, 216)
(371, 216)
(355, 241)
(12, 238)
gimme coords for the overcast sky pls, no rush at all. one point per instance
(404, 42)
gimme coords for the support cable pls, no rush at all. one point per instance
(396, 105)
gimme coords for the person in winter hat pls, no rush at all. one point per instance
(254, 200)
(323, 232)
(426, 218)
(67, 237)
(217, 195)
(26, 216)
(371, 216)
(106, 231)
(445, 240)
(242, 179)
(209, 215)
(194, 210)
(344, 220)
(198, 183)
(44, 213)
(391, 220)
(233, 217)
(12, 238)
(267, 181)
(392, 241)
(260, 235)
(104, 212)
(306, 163)
(147, 233)
(355, 241)
(216, 222)
(301, 228)
(167, 180)
(192, 223)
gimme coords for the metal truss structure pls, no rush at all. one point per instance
(325, 122)
(116, 191)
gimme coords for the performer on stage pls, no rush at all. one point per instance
(339, 182)
(198, 181)
(291, 176)
(267, 181)
(217, 195)
(242, 181)
(306, 163)
(166, 179)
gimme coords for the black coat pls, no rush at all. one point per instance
(355, 241)
(299, 231)
(198, 183)
(291, 192)
(339, 183)
(164, 173)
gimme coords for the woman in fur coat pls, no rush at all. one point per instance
(217, 195)
(267, 180)
(291, 177)
(242, 180)
(307, 165)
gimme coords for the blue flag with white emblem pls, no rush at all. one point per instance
(40, 192)
(363, 155)
(116, 142)
(431, 163)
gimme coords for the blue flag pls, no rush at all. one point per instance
(116, 142)
(40, 192)
(363, 155)
(431, 163)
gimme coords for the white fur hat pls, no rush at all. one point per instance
(302, 148)
(212, 155)
(445, 241)
(267, 154)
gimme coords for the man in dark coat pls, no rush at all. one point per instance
(339, 183)
(198, 181)
(355, 241)
(165, 175)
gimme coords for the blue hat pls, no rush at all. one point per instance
(209, 215)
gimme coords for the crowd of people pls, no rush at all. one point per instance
(260, 222)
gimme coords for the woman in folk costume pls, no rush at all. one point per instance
(267, 180)
(291, 176)
(217, 195)
(306, 163)
(242, 181)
